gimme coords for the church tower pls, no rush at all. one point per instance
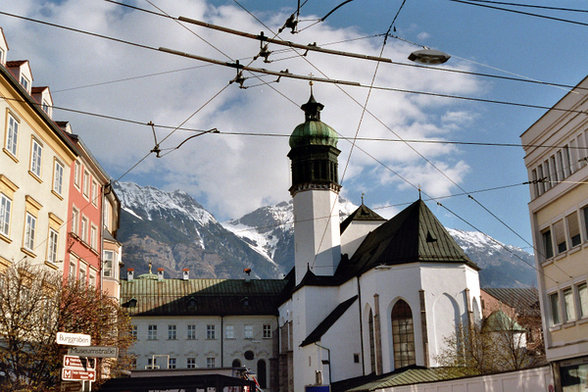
(315, 190)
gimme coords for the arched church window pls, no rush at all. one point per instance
(261, 373)
(403, 335)
(372, 341)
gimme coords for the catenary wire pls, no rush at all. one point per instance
(522, 12)
(544, 7)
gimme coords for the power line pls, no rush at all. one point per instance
(522, 13)
(531, 6)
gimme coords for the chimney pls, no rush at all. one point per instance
(130, 273)
(186, 273)
(248, 273)
(160, 274)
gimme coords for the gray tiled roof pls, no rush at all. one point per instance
(521, 299)
(148, 296)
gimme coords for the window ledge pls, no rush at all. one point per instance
(51, 265)
(15, 159)
(547, 262)
(36, 177)
(555, 328)
(583, 320)
(575, 249)
(569, 324)
(561, 255)
(28, 252)
(57, 194)
(5, 238)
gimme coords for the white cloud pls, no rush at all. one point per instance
(234, 174)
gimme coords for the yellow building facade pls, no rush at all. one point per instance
(556, 157)
(35, 160)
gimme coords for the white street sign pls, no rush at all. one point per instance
(95, 351)
(73, 339)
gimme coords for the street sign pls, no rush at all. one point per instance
(73, 361)
(94, 351)
(73, 339)
(73, 374)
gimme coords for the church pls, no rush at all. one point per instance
(367, 296)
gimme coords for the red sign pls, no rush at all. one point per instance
(73, 361)
(73, 374)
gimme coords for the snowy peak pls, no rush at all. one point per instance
(148, 202)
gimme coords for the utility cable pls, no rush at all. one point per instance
(544, 7)
(326, 16)
(522, 12)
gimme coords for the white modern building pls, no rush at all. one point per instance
(556, 157)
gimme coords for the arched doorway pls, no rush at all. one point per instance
(403, 335)
(236, 363)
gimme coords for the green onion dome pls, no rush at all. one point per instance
(313, 131)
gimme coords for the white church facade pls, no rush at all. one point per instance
(367, 296)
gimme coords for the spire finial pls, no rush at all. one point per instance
(419, 188)
(150, 267)
(362, 195)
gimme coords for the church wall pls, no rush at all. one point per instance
(354, 235)
(392, 283)
(343, 339)
(445, 300)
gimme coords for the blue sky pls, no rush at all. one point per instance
(232, 175)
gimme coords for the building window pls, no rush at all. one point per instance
(25, 82)
(75, 220)
(210, 362)
(171, 364)
(191, 332)
(72, 271)
(152, 363)
(191, 363)
(84, 230)
(582, 300)
(248, 331)
(171, 332)
(58, 178)
(29, 238)
(547, 243)
(134, 331)
(402, 335)
(210, 332)
(82, 273)
(52, 246)
(554, 307)
(77, 171)
(267, 331)
(560, 236)
(86, 184)
(573, 229)
(569, 311)
(94, 193)
(152, 332)
(94, 237)
(230, 332)
(92, 279)
(5, 206)
(108, 261)
(12, 135)
(36, 152)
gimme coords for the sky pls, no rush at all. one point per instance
(232, 174)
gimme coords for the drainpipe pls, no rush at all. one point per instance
(101, 233)
(360, 326)
(328, 359)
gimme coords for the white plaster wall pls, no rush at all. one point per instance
(316, 232)
(343, 339)
(201, 348)
(529, 380)
(354, 235)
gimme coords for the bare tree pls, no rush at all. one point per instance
(496, 344)
(35, 304)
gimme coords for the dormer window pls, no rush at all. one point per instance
(25, 82)
(45, 107)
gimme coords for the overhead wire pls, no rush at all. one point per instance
(532, 6)
(521, 12)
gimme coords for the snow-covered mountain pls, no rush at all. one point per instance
(173, 231)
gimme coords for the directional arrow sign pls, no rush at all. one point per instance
(95, 351)
(73, 339)
(73, 374)
(72, 361)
